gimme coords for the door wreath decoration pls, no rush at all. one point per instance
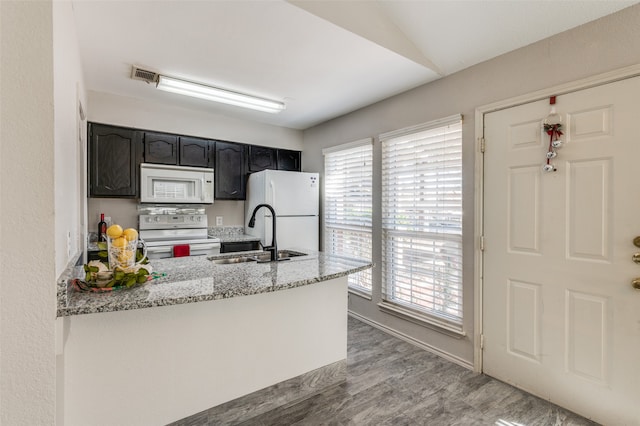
(552, 125)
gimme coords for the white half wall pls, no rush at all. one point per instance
(157, 365)
(27, 260)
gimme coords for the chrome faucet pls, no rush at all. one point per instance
(273, 248)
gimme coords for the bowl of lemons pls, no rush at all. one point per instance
(122, 246)
(127, 262)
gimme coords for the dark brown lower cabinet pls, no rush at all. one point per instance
(236, 246)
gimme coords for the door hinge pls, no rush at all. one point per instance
(481, 242)
(482, 145)
(482, 341)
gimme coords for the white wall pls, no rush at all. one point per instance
(69, 156)
(27, 260)
(137, 113)
(70, 137)
(603, 45)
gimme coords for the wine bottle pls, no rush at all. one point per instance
(102, 229)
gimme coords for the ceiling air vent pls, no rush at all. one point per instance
(144, 75)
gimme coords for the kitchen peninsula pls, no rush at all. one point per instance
(203, 335)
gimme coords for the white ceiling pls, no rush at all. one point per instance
(322, 58)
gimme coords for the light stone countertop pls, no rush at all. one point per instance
(196, 279)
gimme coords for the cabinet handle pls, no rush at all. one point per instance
(273, 192)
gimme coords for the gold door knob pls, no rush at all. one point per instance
(636, 241)
(636, 283)
(636, 257)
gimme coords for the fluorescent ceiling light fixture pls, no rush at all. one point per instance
(175, 85)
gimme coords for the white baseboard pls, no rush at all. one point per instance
(449, 357)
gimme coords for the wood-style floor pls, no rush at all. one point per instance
(391, 382)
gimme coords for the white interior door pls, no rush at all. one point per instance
(561, 318)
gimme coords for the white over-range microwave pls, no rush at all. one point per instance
(160, 183)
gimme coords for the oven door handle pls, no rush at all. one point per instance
(160, 249)
(204, 246)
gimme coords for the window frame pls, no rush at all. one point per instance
(359, 231)
(449, 240)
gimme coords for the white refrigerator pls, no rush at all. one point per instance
(295, 197)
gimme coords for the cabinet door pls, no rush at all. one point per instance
(196, 152)
(230, 171)
(114, 161)
(289, 160)
(236, 246)
(261, 158)
(160, 148)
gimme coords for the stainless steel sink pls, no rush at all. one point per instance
(233, 260)
(282, 255)
(260, 258)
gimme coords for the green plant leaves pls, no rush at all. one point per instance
(120, 278)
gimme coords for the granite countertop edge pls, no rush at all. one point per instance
(237, 238)
(300, 270)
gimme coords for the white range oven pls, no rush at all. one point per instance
(176, 232)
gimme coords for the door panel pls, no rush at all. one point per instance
(293, 194)
(524, 313)
(114, 161)
(588, 190)
(196, 152)
(294, 232)
(561, 318)
(524, 209)
(160, 148)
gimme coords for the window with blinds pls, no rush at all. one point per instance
(422, 221)
(348, 173)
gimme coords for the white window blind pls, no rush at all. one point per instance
(347, 205)
(422, 221)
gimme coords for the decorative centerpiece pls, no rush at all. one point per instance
(126, 266)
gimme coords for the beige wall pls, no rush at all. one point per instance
(130, 112)
(603, 45)
(27, 225)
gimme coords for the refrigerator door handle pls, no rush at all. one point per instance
(273, 195)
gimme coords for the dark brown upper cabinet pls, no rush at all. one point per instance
(230, 171)
(196, 152)
(160, 148)
(289, 160)
(261, 158)
(114, 160)
(115, 154)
